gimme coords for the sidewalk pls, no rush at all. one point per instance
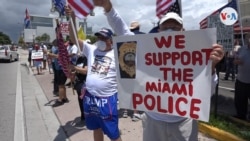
(68, 115)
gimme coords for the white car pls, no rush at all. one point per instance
(9, 53)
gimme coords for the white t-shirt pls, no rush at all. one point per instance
(101, 77)
(44, 48)
(73, 50)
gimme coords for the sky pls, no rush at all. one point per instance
(12, 13)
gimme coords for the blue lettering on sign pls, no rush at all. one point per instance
(233, 16)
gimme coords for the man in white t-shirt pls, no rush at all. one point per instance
(45, 49)
(100, 99)
(72, 51)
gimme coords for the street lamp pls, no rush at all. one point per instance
(33, 39)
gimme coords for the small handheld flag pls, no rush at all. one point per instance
(81, 35)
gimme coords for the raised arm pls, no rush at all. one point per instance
(114, 19)
(70, 13)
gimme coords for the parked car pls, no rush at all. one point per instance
(9, 53)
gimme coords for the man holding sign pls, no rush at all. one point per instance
(37, 56)
(158, 126)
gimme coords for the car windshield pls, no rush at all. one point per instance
(3, 48)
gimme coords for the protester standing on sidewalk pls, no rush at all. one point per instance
(44, 48)
(80, 72)
(230, 67)
(38, 62)
(100, 99)
(72, 51)
(53, 51)
(237, 46)
(30, 48)
(60, 80)
(242, 84)
(161, 127)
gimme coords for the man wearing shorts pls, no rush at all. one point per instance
(100, 100)
(59, 80)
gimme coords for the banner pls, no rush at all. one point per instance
(64, 28)
(37, 54)
(168, 73)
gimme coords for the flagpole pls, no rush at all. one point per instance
(74, 31)
(239, 12)
(180, 5)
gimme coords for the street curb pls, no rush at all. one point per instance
(50, 118)
(218, 134)
(19, 127)
(239, 121)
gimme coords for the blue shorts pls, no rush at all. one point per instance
(101, 112)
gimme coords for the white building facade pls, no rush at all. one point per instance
(40, 25)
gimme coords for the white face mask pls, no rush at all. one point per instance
(101, 45)
(168, 30)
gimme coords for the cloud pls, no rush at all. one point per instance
(12, 13)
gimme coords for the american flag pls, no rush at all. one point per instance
(162, 7)
(81, 8)
(27, 19)
(175, 8)
(232, 4)
(59, 5)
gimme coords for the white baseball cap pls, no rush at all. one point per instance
(171, 15)
(134, 25)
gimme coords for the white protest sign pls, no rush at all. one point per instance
(64, 28)
(37, 54)
(168, 73)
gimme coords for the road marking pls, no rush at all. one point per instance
(231, 89)
(19, 133)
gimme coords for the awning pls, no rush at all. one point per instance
(244, 29)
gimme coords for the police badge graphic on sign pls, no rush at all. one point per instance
(127, 59)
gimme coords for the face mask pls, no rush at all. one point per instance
(101, 45)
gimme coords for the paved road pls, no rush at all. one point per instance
(8, 79)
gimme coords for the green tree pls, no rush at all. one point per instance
(38, 39)
(21, 41)
(93, 39)
(43, 38)
(4, 39)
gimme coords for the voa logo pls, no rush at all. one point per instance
(228, 16)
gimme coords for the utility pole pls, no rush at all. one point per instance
(85, 25)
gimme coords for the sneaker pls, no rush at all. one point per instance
(69, 84)
(58, 103)
(65, 100)
(55, 93)
(125, 114)
(136, 117)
